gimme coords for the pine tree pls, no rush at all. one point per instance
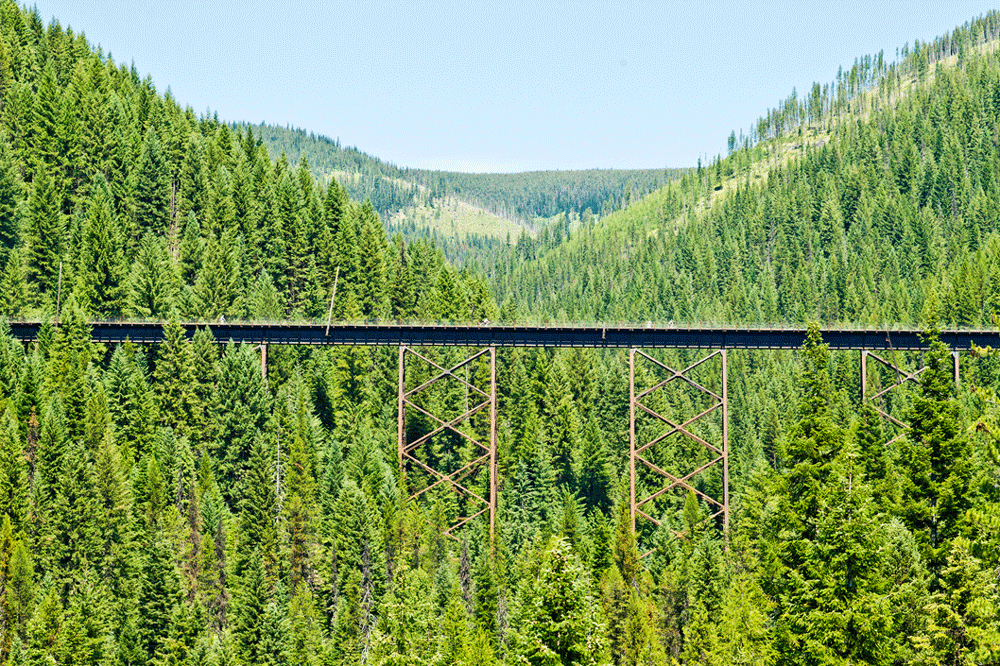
(357, 537)
(259, 506)
(131, 403)
(305, 629)
(935, 458)
(744, 628)
(963, 626)
(630, 622)
(596, 471)
(557, 623)
(250, 626)
(353, 623)
(456, 634)
(13, 286)
(114, 514)
(215, 287)
(407, 619)
(212, 580)
(44, 628)
(302, 507)
(174, 379)
(158, 597)
(67, 371)
(84, 632)
(625, 550)
(265, 302)
(183, 645)
(192, 179)
(372, 266)
(814, 439)
(191, 250)
(45, 237)
(76, 542)
(13, 473)
(205, 371)
(101, 268)
(243, 404)
(45, 139)
(402, 294)
(153, 286)
(19, 591)
(152, 187)
(11, 192)
(49, 459)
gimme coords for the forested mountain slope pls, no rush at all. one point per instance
(509, 202)
(855, 204)
(145, 210)
(173, 505)
(532, 194)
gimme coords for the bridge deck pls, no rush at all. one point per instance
(593, 336)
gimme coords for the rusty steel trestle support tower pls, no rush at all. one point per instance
(902, 377)
(719, 453)
(487, 452)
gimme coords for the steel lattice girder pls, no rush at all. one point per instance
(697, 336)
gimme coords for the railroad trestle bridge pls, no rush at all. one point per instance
(876, 346)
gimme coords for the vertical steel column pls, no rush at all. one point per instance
(494, 491)
(864, 375)
(958, 380)
(263, 360)
(725, 445)
(401, 414)
(631, 433)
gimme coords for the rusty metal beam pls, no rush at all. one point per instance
(902, 377)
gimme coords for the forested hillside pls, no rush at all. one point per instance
(514, 197)
(855, 205)
(146, 210)
(532, 194)
(174, 504)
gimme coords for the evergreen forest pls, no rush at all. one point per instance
(180, 504)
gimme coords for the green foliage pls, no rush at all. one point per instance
(556, 623)
(934, 459)
(101, 269)
(243, 403)
(170, 504)
(152, 285)
(44, 237)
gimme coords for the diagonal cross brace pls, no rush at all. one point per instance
(449, 372)
(447, 425)
(679, 481)
(675, 428)
(902, 377)
(488, 451)
(720, 452)
(453, 477)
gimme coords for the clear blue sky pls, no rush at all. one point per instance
(502, 86)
